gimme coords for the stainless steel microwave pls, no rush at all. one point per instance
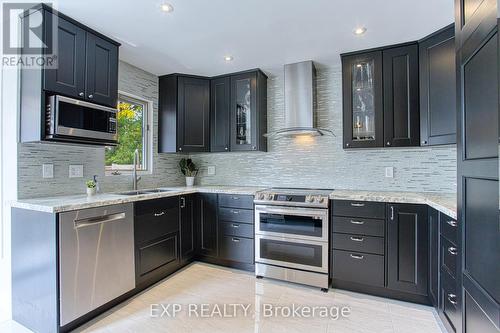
(72, 120)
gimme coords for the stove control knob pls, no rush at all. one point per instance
(269, 196)
(309, 198)
(261, 196)
(321, 200)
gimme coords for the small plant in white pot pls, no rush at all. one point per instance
(188, 169)
(91, 187)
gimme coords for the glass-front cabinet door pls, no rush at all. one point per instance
(362, 94)
(244, 112)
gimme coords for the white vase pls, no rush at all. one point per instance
(189, 181)
(91, 191)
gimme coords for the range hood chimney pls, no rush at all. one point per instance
(300, 101)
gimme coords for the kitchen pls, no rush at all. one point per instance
(327, 163)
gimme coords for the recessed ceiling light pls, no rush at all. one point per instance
(359, 31)
(167, 8)
(228, 58)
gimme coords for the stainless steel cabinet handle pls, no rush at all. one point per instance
(388, 143)
(452, 298)
(235, 225)
(98, 220)
(357, 204)
(236, 240)
(91, 96)
(392, 213)
(453, 250)
(355, 256)
(81, 94)
(226, 148)
(235, 211)
(183, 202)
(235, 198)
(357, 239)
(357, 222)
(452, 223)
(159, 214)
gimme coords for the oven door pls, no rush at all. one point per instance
(80, 121)
(292, 253)
(292, 222)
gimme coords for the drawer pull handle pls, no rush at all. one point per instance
(452, 223)
(357, 204)
(235, 212)
(354, 256)
(235, 198)
(236, 240)
(235, 225)
(392, 213)
(357, 239)
(452, 298)
(357, 222)
(159, 214)
(453, 250)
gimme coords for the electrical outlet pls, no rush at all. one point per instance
(389, 172)
(76, 171)
(211, 170)
(48, 170)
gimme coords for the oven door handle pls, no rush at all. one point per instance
(315, 213)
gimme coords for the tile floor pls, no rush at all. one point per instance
(213, 285)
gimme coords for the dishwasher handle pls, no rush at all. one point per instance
(86, 222)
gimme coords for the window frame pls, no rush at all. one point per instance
(147, 134)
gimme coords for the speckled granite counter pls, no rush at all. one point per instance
(73, 202)
(445, 203)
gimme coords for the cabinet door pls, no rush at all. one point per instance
(434, 256)
(206, 223)
(186, 205)
(407, 248)
(362, 100)
(401, 108)
(438, 114)
(244, 112)
(69, 76)
(220, 94)
(193, 112)
(102, 71)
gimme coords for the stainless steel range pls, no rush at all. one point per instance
(291, 235)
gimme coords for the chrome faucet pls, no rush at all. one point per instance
(135, 178)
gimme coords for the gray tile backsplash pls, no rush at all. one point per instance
(300, 162)
(321, 162)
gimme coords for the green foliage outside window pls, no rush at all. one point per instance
(130, 135)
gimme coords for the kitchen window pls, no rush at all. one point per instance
(134, 132)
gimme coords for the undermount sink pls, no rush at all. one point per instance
(157, 190)
(134, 192)
(150, 191)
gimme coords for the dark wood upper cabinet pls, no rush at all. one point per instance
(220, 99)
(363, 100)
(407, 248)
(438, 120)
(69, 76)
(401, 108)
(184, 114)
(102, 71)
(248, 111)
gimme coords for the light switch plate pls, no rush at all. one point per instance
(76, 171)
(48, 170)
(211, 170)
(389, 172)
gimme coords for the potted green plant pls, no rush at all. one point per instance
(189, 170)
(91, 187)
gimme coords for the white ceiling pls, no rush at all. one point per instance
(259, 33)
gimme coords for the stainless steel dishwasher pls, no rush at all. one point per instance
(96, 251)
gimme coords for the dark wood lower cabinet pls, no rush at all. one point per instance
(187, 228)
(206, 221)
(433, 220)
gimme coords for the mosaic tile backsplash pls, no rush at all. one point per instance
(290, 162)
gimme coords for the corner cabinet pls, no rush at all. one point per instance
(380, 96)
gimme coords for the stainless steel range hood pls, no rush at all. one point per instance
(300, 102)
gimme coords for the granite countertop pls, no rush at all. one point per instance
(443, 202)
(73, 202)
(446, 203)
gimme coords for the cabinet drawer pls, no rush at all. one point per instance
(450, 309)
(236, 229)
(236, 201)
(449, 256)
(155, 206)
(358, 267)
(449, 228)
(157, 254)
(367, 209)
(359, 226)
(150, 226)
(236, 215)
(365, 244)
(237, 249)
